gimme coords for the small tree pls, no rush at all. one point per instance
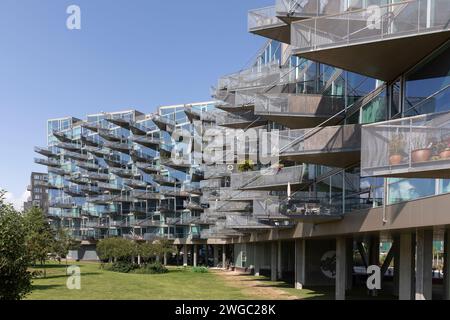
(15, 280)
(147, 251)
(40, 237)
(62, 243)
(163, 247)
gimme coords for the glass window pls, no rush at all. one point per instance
(401, 190)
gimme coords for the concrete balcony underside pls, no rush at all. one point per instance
(338, 146)
(384, 60)
(278, 31)
(300, 111)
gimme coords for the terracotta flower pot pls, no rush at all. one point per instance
(445, 154)
(421, 155)
(395, 159)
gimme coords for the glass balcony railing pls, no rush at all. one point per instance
(146, 141)
(402, 19)
(415, 147)
(46, 152)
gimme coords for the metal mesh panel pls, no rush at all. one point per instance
(388, 21)
(263, 18)
(277, 177)
(416, 144)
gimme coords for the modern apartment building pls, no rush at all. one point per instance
(128, 174)
(327, 155)
(38, 192)
(356, 94)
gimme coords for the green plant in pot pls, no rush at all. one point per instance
(421, 148)
(245, 166)
(396, 149)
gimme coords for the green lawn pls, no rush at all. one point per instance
(97, 284)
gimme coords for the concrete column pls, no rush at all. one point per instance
(406, 266)
(396, 244)
(165, 259)
(195, 255)
(206, 255)
(279, 261)
(349, 277)
(224, 256)
(216, 255)
(424, 264)
(257, 255)
(300, 258)
(273, 261)
(446, 265)
(139, 259)
(185, 255)
(374, 251)
(341, 267)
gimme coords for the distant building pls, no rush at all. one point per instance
(38, 192)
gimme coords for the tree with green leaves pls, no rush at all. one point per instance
(164, 247)
(15, 280)
(62, 243)
(40, 237)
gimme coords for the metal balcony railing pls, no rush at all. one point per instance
(109, 187)
(109, 136)
(98, 176)
(263, 18)
(165, 180)
(147, 141)
(148, 168)
(245, 223)
(48, 162)
(47, 152)
(68, 146)
(145, 195)
(278, 177)
(334, 146)
(88, 165)
(310, 105)
(133, 183)
(76, 156)
(116, 146)
(238, 120)
(415, 147)
(402, 19)
(314, 208)
(219, 171)
(98, 152)
(140, 156)
(123, 173)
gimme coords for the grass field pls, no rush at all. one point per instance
(98, 284)
(178, 284)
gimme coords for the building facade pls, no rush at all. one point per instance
(38, 192)
(357, 97)
(326, 155)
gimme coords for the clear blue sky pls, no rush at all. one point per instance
(129, 54)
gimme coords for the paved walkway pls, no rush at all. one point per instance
(252, 286)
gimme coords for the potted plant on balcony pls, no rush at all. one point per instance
(245, 166)
(396, 150)
(421, 149)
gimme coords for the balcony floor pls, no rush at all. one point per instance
(383, 59)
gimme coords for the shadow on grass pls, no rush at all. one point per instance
(42, 287)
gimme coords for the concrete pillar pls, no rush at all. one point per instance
(206, 255)
(349, 261)
(139, 259)
(446, 265)
(195, 255)
(279, 261)
(424, 264)
(216, 255)
(258, 258)
(185, 255)
(406, 266)
(396, 247)
(374, 250)
(273, 262)
(165, 259)
(224, 256)
(300, 259)
(341, 267)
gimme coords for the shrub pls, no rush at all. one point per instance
(153, 268)
(121, 266)
(200, 270)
